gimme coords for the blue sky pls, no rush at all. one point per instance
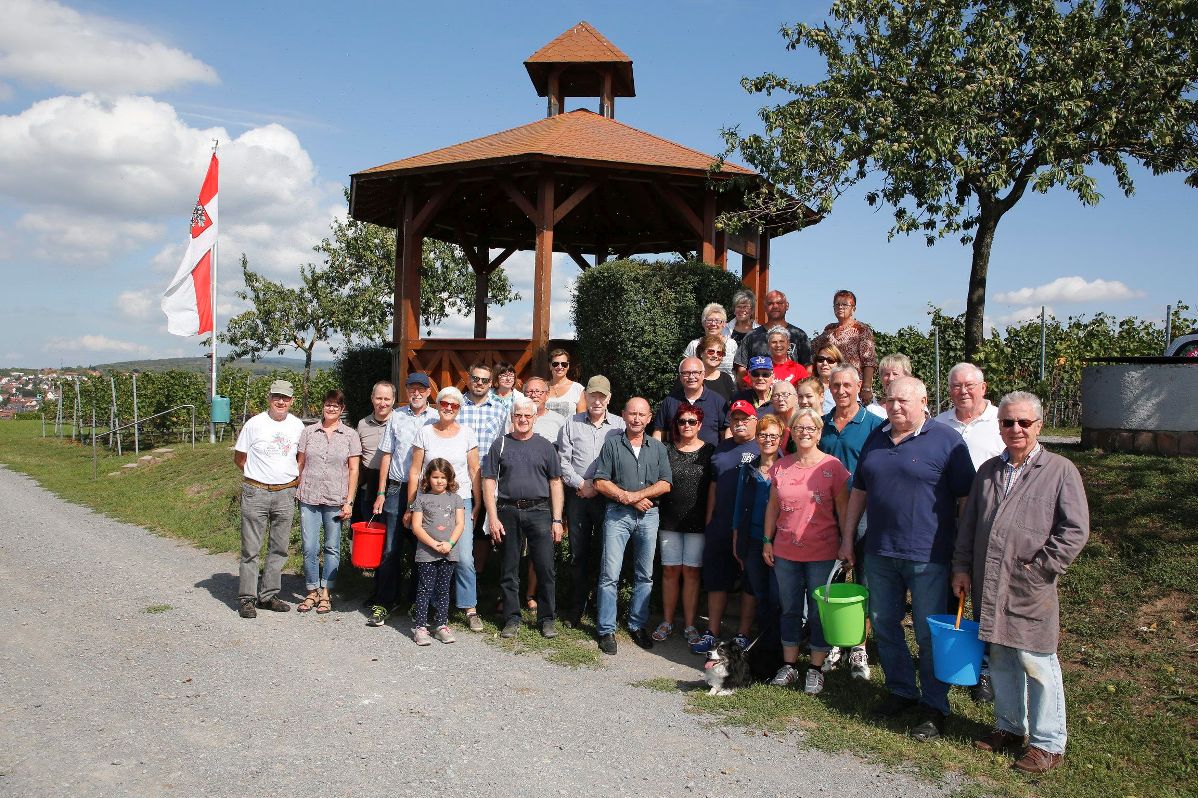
(107, 111)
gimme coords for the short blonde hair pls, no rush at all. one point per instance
(713, 307)
(806, 412)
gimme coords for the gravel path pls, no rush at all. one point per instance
(102, 698)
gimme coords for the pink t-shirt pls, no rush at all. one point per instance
(807, 529)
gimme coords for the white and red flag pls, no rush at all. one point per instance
(187, 303)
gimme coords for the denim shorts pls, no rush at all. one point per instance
(681, 548)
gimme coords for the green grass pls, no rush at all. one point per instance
(1129, 609)
(157, 609)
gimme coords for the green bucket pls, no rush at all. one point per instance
(842, 610)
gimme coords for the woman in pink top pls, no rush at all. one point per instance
(802, 538)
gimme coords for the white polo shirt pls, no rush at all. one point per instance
(981, 434)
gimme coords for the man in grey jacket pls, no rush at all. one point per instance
(1025, 521)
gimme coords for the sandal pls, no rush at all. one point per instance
(691, 634)
(309, 601)
(323, 605)
(663, 631)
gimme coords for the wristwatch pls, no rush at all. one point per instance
(557, 520)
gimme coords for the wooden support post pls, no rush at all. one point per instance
(607, 100)
(721, 250)
(542, 275)
(553, 95)
(707, 234)
(405, 326)
(763, 274)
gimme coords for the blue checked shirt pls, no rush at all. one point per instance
(487, 420)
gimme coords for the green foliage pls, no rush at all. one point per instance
(956, 107)
(358, 369)
(635, 317)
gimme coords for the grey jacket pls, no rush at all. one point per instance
(1015, 548)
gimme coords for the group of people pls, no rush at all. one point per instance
(770, 465)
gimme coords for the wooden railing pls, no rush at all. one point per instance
(446, 360)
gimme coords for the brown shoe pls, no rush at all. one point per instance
(1037, 760)
(1000, 741)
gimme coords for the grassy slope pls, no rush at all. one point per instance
(1129, 611)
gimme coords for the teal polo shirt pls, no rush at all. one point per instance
(845, 445)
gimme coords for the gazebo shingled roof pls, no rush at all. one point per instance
(579, 183)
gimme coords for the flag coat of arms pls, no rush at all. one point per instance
(187, 302)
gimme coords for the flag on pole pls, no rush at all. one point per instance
(187, 302)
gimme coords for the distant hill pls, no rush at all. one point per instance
(201, 364)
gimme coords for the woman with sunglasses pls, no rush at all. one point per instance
(712, 352)
(802, 540)
(329, 454)
(853, 339)
(827, 356)
(565, 396)
(714, 319)
(683, 518)
(458, 445)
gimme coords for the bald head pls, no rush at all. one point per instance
(636, 416)
(906, 400)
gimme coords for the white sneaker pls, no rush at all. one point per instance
(421, 636)
(786, 676)
(859, 664)
(814, 685)
(832, 660)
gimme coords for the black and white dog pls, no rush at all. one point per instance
(727, 668)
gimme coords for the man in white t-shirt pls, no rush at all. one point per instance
(266, 454)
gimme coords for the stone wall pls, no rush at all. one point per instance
(1169, 444)
(1148, 408)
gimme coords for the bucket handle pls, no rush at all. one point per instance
(960, 608)
(832, 575)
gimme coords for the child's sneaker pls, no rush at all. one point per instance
(859, 664)
(815, 682)
(378, 616)
(786, 676)
(444, 634)
(421, 636)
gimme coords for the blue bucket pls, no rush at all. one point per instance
(956, 653)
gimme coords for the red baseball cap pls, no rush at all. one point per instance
(742, 406)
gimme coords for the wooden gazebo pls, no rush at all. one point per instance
(576, 182)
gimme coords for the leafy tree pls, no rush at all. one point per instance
(957, 107)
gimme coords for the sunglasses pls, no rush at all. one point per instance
(482, 380)
(688, 422)
(719, 352)
(444, 405)
(560, 364)
(761, 375)
(825, 359)
(1007, 423)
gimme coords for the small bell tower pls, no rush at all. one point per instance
(581, 63)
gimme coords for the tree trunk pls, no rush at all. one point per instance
(975, 302)
(307, 377)
(481, 278)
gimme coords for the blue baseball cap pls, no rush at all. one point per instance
(760, 363)
(418, 378)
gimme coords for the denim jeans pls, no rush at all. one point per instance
(264, 513)
(763, 584)
(1029, 696)
(620, 524)
(584, 518)
(797, 582)
(399, 551)
(889, 580)
(464, 581)
(532, 525)
(313, 518)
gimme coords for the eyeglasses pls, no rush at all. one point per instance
(687, 422)
(784, 395)
(534, 392)
(444, 405)
(560, 364)
(691, 373)
(825, 359)
(715, 321)
(524, 415)
(1008, 423)
(769, 436)
(761, 375)
(963, 386)
(808, 430)
(842, 304)
(333, 406)
(719, 352)
(481, 380)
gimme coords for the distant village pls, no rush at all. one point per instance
(27, 391)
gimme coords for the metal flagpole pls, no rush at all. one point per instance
(215, 247)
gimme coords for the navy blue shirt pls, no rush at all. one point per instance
(715, 415)
(725, 470)
(912, 489)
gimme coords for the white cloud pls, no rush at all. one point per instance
(1020, 315)
(140, 305)
(94, 343)
(1070, 289)
(45, 43)
(58, 234)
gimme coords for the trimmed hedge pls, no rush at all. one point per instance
(357, 370)
(633, 318)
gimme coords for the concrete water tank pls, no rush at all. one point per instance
(1141, 404)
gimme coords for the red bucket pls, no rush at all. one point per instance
(367, 547)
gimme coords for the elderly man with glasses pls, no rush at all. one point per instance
(715, 407)
(972, 415)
